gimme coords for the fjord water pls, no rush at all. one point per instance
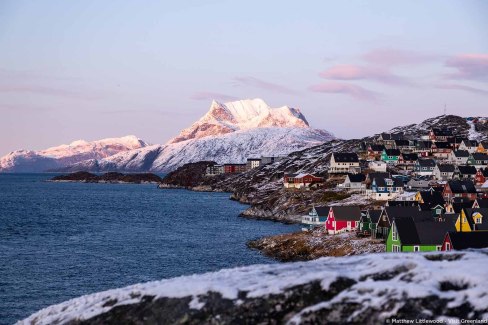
(64, 240)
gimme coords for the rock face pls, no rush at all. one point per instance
(67, 154)
(363, 289)
(112, 177)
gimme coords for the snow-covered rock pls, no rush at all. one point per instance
(67, 154)
(362, 289)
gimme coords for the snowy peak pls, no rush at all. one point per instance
(76, 151)
(242, 115)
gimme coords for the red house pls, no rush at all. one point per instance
(465, 240)
(481, 176)
(459, 188)
(234, 168)
(342, 218)
(301, 180)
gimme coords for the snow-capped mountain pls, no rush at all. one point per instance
(67, 154)
(230, 132)
(241, 115)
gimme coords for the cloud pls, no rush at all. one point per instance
(390, 57)
(258, 83)
(469, 66)
(354, 91)
(208, 95)
(354, 72)
(464, 88)
(43, 90)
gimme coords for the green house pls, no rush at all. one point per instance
(417, 235)
(368, 221)
(390, 156)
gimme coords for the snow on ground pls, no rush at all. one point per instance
(421, 278)
(473, 134)
(355, 199)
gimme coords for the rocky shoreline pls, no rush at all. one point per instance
(111, 177)
(310, 245)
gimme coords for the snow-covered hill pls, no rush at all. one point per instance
(363, 289)
(227, 133)
(67, 154)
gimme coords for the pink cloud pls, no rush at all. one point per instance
(208, 95)
(397, 57)
(469, 66)
(354, 91)
(464, 88)
(258, 83)
(354, 72)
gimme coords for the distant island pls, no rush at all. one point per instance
(111, 177)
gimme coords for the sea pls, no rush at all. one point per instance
(62, 240)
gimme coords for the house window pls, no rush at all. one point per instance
(448, 246)
(438, 211)
(396, 248)
(477, 220)
(394, 234)
(438, 248)
(416, 249)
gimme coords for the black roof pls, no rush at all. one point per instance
(462, 186)
(392, 152)
(432, 198)
(382, 182)
(472, 239)
(377, 147)
(426, 162)
(424, 144)
(402, 143)
(459, 206)
(479, 156)
(348, 213)
(484, 213)
(400, 211)
(443, 145)
(433, 232)
(446, 168)
(377, 175)
(442, 132)
(483, 203)
(466, 170)
(356, 178)
(470, 143)
(407, 231)
(461, 153)
(410, 156)
(345, 157)
(322, 211)
(374, 215)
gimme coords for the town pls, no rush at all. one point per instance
(423, 194)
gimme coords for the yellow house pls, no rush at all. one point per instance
(466, 221)
(482, 147)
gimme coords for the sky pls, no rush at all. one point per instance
(94, 69)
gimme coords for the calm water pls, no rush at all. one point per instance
(63, 240)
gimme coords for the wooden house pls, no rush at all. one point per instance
(482, 147)
(424, 167)
(441, 149)
(234, 168)
(423, 148)
(388, 139)
(458, 157)
(302, 180)
(315, 217)
(444, 172)
(459, 189)
(417, 235)
(368, 222)
(385, 188)
(354, 183)
(344, 162)
(479, 160)
(481, 176)
(464, 172)
(342, 219)
(440, 134)
(375, 150)
(480, 203)
(388, 214)
(465, 240)
(468, 145)
(390, 156)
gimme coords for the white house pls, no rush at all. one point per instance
(344, 162)
(378, 166)
(458, 157)
(469, 145)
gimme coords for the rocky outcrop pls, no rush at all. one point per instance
(112, 177)
(364, 289)
(310, 245)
